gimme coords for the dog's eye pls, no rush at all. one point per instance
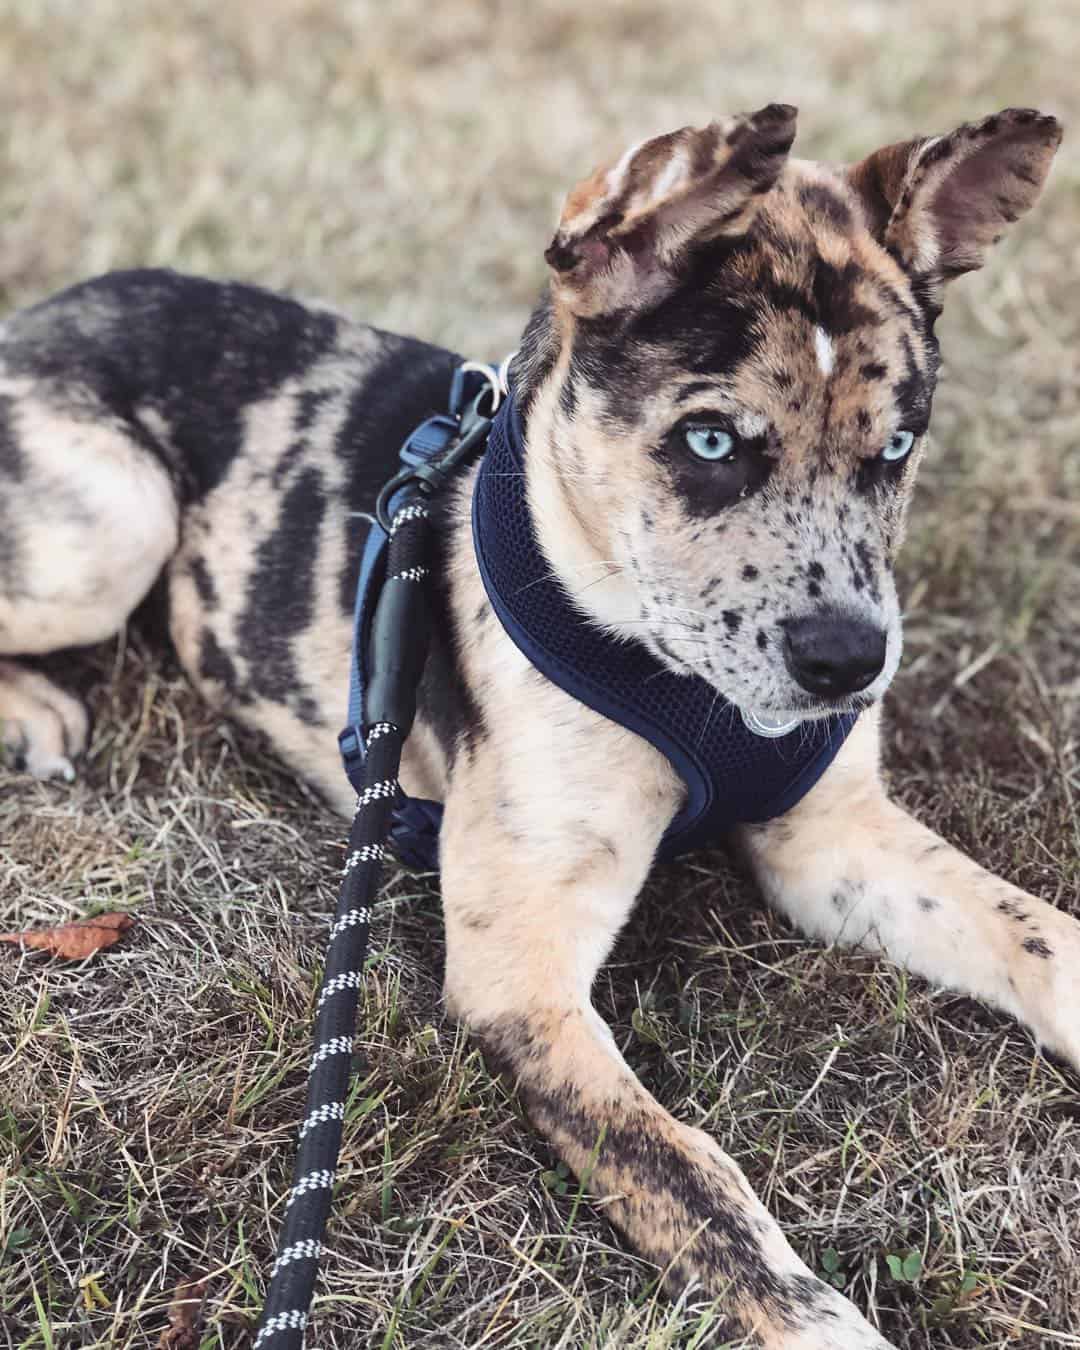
(711, 443)
(898, 445)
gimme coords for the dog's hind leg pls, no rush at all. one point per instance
(88, 518)
(849, 866)
(530, 915)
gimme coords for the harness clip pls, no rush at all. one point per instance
(431, 454)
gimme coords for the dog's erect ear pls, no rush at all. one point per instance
(624, 231)
(939, 203)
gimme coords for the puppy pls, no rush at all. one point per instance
(722, 403)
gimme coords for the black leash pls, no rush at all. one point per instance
(397, 651)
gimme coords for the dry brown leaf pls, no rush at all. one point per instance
(184, 1310)
(75, 941)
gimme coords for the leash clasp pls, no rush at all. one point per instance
(432, 453)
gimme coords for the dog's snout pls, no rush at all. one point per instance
(831, 655)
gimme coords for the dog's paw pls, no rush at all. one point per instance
(42, 729)
(849, 1331)
(832, 1323)
(1045, 967)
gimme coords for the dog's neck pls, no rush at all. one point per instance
(575, 545)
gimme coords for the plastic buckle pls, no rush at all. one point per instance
(430, 438)
(431, 453)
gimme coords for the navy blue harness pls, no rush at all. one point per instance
(732, 775)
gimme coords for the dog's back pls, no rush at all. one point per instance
(225, 435)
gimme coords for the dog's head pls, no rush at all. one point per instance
(728, 388)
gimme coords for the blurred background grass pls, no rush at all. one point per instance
(406, 161)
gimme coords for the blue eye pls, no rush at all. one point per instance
(711, 443)
(900, 442)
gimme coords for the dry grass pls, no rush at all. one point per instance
(407, 160)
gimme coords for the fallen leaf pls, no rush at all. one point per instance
(75, 941)
(184, 1310)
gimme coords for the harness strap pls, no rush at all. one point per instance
(430, 455)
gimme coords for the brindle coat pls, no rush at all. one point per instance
(221, 437)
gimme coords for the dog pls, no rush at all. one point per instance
(724, 397)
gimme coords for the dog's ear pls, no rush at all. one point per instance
(939, 203)
(625, 230)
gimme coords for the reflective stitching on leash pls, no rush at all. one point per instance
(350, 920)
(286, 1321)
(365, 853)
(305, 1250)
(322, 1114)
(387, 788)
(321, 1180)
(352, 979)
(337, 1045)
(407, 513)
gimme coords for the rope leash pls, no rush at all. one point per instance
(396, 649)
(292, 1277)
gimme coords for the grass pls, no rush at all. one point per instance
(407, 161)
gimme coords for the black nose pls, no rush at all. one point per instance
(831, 654)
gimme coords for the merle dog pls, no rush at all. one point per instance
(724, 397)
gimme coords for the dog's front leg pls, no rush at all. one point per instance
(535, 889)
(849, 866)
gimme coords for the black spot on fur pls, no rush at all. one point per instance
(196, 352)
(928, 904)
(568, 397)
(873, 370)
(749, 572)
(216, 664)
(12, 459)
(1035, 946)
(732, 619)
(444, 699)
(822, 201)
(308, 403)
(1012, 909)
(294, 453)
(280, 600)
(834, 298)
(204, 583)
(866, 568)
(762, 639)
(912, 392)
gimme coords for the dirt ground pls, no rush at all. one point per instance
(407, 160)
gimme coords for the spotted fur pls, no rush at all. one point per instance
(226, 444)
